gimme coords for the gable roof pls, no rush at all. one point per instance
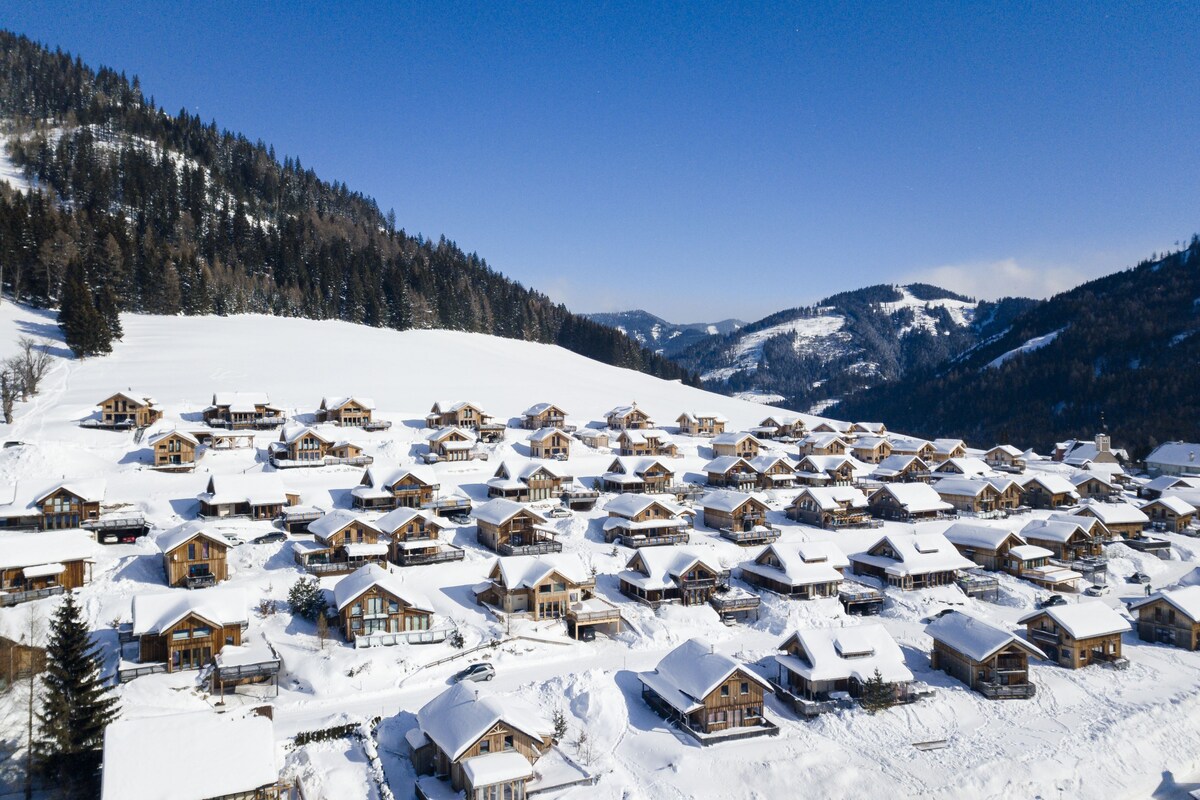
(897, 464)
(163, 435)
(181, 533)
(734, 438)
(1053, 530)
(1172, 503)
(966, 465)
(155, 613)
(242, 401)
(974, 638)
(1007, 449)
(962, 487)
(854, 651)
(90, 490)
(333, 521)
(728, 500)
(446, 433)
(138, 398)
(723, 464)
(255, 488)
(1083, 620)
(1113, 513)
(500, 510)
(801, 563)
(399, 517)
(526, 572)
(542, 434)
(974, 534)
(631, 504)
(831, 497)
(696, 416)
(20, 549)
(331, 402)
(1052, 483)
(662, 564)
(352, 586)
(541, 408)
(294, 431)
(459, 716)
(621, 412)
(1185, 599)
(917, 553)
(691, 672)
(916, 498)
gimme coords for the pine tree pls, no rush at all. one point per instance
(306, 599)
(84, 328)
(877, 695)
(106, 305)
(76, 707)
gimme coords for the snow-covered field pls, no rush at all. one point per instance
(812, 335)
(1091, 733)
(1036, 343)
(961, 311)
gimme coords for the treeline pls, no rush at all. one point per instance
(1127, 348)
(169, 215)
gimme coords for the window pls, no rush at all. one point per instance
(202, 631)
(508, 742)
(192, 551)
(182, 633)
(725, 690)
(485, 747)
(745, 687)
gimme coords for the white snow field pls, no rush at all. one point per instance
(1091, 733)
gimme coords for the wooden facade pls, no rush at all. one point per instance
(129, 409)
(346, 411)
(645, 443)
(377, 610)
(550, 443)
(839, 507)
(200, 559)
(871, 449)
(543, 415)
(240, 411)
(1066, 650)
(740, 445)
(457, 415)
(189, 643)
(452, 444)
(1170, 617)
(174, 450)
(988, 659)
(19, 661)
(65, 508)
(550, 597)
(628, 418)
(748, 515)
(74, 573)
(1170, 513)
(523, 531)
(701, 424)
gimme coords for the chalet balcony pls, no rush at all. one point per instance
(731, 603)
(684, 491)
(977, 583)
(858, 598)
(1039, 635)
(999, 691)
(535, 549)
(383, 639)
(125, 521)
(636, 540)
(446, 553)
(242, 672)
(759, 534)
(342, 567)
(10, 598)
(593, 611)
(377, 425)
(200, 581)
(127, 673)
(705, 582)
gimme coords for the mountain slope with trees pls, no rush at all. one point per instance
(661, 336)
(166, 214)
(1124, 346)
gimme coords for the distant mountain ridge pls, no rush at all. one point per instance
(659, 335)
(1123, 348)
(808, 358)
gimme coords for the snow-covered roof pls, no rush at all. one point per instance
(163, 435)
(1114, 513)
(353, 585)
(452, 406)
(459, 716)
(909, 443)
(1028, 552)
(1053, 530)
(176, 536)
(947, 445)
(90, 490)
(330, 402)
(734, 438)
(399, 517)
(640, 466)
(539, 408)
(870, 427)
(696, 416)
(1174, 504)
(242, 402)
(631, 504)
(1007, 449)
(500, 510)
(762, 464)
(855, 651)
(1081, 477)
(1053, 484)
(526, 572)
(138, 398)
(222, 605)
(490, 769)
(621, 412)
(961, 487)
(644, 436)
(916, 498)
(188, 756)
(723, 464)
(822, 440)
(1083, 620)
(446, 433)
(294, 430)
(916, 554)
(965, 465)
(1185, 599)
(542, 434)
(662, 564)
(802, 563)
(334, 521)
(975, 534)
(1175, 454)
(974, 638)
(725, 500)
(19, 549)
(691, 672)
(380, 476)
(832, 497)
(1164, 482)
(255, 488)
(896, 464)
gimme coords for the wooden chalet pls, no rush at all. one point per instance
(1120, 519)
(946, 449)
(1099, 450)
(72, 504)
(910, 446)
(40, 564)
(549, 443)
(908, 502)
(1170, 617)
(355, 412)
(831, 507)
(741, 445)
(701, 423)
(1078, 634)
(595, 438)
(240, 410)
(1170, 512)
(447, 414)
(257, 495)
(773, 472)
(482, 744)
(174, 451)
(645, 442)
(302, 446)
(623, 418)
(548, 587)
(782, 426)
(871, 449)
(911, 560)
(804, 570)
(868, 428)
(741, 518)
(342, 542)
(1163, 484)
(969, 495)
(1005, 457)
(641, 520)
(184, 630)
(1047, 490)
(1095, 486)
(823, 444)
(129, 409)
(194, 557)
(638, 475)
(991, 660)
(827, 471)
(19, 661)
(415, 538)
(840, 427)
(543, 415)
(531, 483)
(962, 467)
(1009, 493)
(387, 486)
(230, 756)
(656, 575)
(817, 665)
(707, 694)
(512, 529)
(1005, 550)
(731, 472)
(372, 603)
(452, 444)
(1068, 540)
(898, 468)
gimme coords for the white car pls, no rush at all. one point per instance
(559, 512)
(1096, 590)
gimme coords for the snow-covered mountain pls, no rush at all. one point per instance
(808, 358)
(662, 336)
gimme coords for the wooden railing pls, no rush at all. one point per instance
(448, 553)
(12, 598)
(999, 691)
(126, 674)
(537, 548)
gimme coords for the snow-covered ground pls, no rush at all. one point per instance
(9, 172)
(1090, 733)
(961, 311)
(812, 334)
(1036, 343)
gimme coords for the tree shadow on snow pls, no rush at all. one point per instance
(1170, 789)
(49, 332)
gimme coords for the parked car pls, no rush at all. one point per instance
(14, 444)
(1096, 590)
(587, 634)
(460, 519)
(559, 512)
(233, 539)
(561, 457)
(268, 538)
(1138, 577)
(483, 671)
(431, 458)
(1053, 600)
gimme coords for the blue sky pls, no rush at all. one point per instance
(708, 160)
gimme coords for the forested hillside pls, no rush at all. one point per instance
(1126, 345)
(167, 214)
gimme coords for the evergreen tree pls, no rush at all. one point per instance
(306, 599)
(84, 329)
(106, 305)
(76, 707)
(877, 695)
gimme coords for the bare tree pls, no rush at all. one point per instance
(322, 629)
(31, 363)
(36, 665)
(10, 388)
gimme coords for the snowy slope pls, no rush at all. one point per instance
(1088, 733)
